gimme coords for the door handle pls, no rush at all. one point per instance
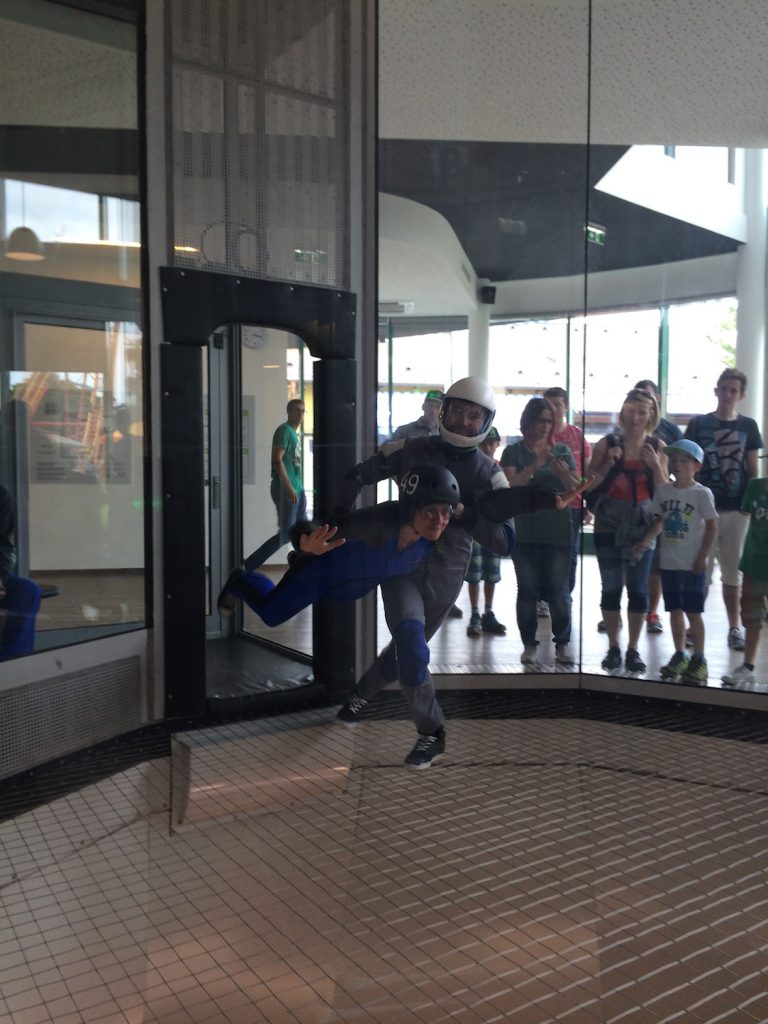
(215, 492)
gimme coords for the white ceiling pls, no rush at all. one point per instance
(683, 72)
(663, 71)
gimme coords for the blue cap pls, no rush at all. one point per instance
(687, 447)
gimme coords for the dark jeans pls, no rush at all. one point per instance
(287, 515)
(618, 571)
(577, 518)
(543, 570)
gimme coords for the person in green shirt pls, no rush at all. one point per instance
(754, 589)
(286, 486)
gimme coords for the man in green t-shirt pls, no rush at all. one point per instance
(286, 487)
(754, 590)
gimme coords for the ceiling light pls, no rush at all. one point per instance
(23, 244)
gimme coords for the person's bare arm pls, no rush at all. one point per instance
(707, 543)
(650, 534)
(279, 467)
(751, 464)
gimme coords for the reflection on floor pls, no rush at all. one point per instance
(454, 653)
(236, 667)
(555, 867)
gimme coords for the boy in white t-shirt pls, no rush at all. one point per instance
(685, 512)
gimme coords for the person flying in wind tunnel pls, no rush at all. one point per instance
(416, 604)
(358, 551)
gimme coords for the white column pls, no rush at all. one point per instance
(479, 323)
(751, 289)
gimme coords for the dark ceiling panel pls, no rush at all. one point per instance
(519, 209)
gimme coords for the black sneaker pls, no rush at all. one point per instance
(427, 750)
(226, 601)
(490, 624)
(349, 712)
(612, 659)
(475, 627)
(633, 662)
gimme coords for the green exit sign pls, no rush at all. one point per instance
(595, 233)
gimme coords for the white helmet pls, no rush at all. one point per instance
(468, 389)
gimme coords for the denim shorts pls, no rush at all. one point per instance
(483, 566)
(683, 590)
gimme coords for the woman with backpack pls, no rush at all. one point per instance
(624, 470)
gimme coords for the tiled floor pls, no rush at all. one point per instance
(554, 867)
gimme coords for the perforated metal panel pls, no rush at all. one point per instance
(259, 137)
(45, 720)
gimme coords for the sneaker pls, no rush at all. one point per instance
(227, 601)
(349, 712)
(455, 612)
(564, 654)
(633, 662)
(427, 749)
(475, 627)
(653, 623)
(490, 624)
(528, 657)
(741, 676)
(675, 667)
(696, 673)
(735, 639)
(542, 609)
(612, 659)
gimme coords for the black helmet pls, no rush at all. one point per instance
(426, 484)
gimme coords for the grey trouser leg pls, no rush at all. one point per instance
(425, 596)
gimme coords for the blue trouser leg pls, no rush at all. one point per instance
(555, 568)
(21, 604)
(577, 518)
(529, 585)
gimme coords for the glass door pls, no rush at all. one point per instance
(276, 404)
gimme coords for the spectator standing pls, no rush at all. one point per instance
(685, 513)
(624, 471)
(484, 566)
(730, 442)
(542, 554)
(286, 486)
(426, 424)
(668, 433)
(569, 434)
(754, 588)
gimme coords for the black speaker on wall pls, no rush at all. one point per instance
(487, 295)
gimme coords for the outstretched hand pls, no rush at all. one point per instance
(562, 501)
(320, 541)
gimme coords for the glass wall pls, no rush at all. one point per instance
(71, 345)
(591, 233)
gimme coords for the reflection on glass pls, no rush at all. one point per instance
(71, 389)
(78, 479)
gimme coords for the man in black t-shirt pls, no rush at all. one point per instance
(730, 442)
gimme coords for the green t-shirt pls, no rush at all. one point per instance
(547, 526)
(754, 557)
(287, 438)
